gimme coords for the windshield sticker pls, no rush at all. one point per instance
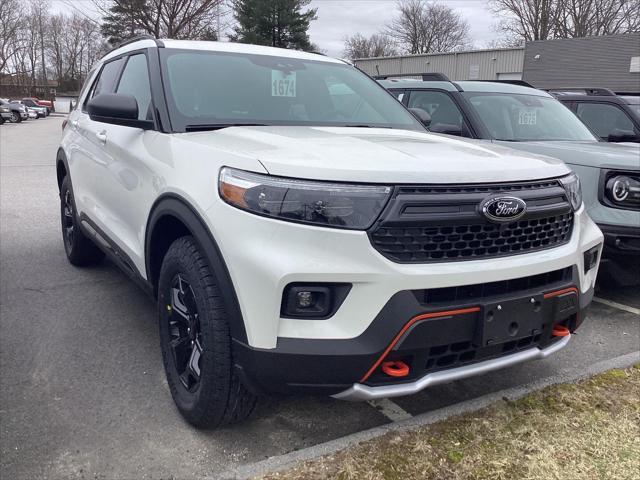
(527, 116)
(283, 84)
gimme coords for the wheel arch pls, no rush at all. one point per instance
(62, 167)
(172, 217)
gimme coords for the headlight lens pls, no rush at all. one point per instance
(623, 189)
(571, 184)
(319, 203)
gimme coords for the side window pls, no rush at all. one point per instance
(106, 81)
(445, 114)
(135, 82)
(603, 118)
(399, 94)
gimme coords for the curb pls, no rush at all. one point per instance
(289, 460)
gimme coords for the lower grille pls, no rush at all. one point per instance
(471, 241)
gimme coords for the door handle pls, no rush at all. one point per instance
(74, 123)
(102, 137)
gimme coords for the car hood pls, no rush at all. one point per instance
(376, 155)
(590, 154)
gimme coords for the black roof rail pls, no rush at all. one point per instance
(520, 83)
(426, 77)
(598, 91)
(137, 38)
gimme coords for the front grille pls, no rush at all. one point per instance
(472, 241)
(461, 353)
(441, 223)
(464, 294)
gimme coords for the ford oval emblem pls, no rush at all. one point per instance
(503, 209)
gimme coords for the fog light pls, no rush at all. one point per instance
(313, 301)
(591, 258)
(304, 299)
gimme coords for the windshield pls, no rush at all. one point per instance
(214, 89)
(520, 118)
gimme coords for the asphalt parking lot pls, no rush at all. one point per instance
(82, 390)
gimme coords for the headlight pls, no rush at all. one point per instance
(623, 189)
(571, 184)
(319, 203)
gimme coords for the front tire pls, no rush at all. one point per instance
(196, 341)
(80, 250)
(15, 117)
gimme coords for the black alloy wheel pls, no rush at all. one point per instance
(185, 333)
(68, 220)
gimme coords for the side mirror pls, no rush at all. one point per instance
(117, 109)
(618, 135)
(421, 115)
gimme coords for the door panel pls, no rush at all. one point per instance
(86, 155)
(124, 192)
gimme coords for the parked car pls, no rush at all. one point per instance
(5, 114)
(18, 111)
(613, 118)
(531, 120)
(41, 103)
(32, 103)
(297, 242)
(33, 112)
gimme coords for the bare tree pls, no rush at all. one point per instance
(426, 27)
(581, 18)
(527, 19)
(377, 45)
(546, 19)
(11, 13)
(183, 19)
(39, 12)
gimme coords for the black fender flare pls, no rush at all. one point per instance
(177, 207)
(61, 158)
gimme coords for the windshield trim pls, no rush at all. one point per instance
(180, 126)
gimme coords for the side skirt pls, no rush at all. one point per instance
(115, 253)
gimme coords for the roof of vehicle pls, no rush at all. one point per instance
(413, 83)
(631, 99)
(228, 47)
(498, 87)
(466, 86)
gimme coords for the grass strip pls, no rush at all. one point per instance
(584, 430)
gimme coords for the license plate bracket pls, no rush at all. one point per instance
(511, 320)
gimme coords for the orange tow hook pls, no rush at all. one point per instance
(560, 331)
(396, 368)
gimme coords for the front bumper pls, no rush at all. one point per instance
(620, 242)
(438, 342)
(360, 392)
(332, 355)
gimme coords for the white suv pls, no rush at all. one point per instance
(302, 232)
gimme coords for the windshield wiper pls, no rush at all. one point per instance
(201, 127)
(363, 125)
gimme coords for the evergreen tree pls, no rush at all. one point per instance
(123, 21)
(279, 23)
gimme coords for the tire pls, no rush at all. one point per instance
(80, 250)
(15, 117)
(196, 342)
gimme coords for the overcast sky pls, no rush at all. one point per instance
(339, 18)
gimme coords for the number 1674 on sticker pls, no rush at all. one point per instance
(282, 84)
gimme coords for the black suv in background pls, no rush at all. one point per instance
(612, 117)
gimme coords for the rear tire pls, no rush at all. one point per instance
(196, 341)
(15, 117)
(80, 250)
